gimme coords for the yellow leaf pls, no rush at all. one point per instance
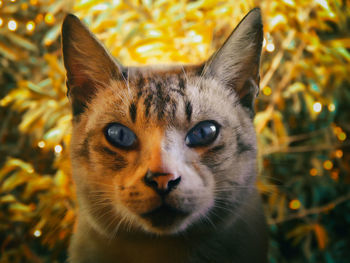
(340, 42)
(69, 217)
(54, 63)
(321, 236)
(20, 217)
(83, 5)
(299, 232)
(280, 129)
(7, 199)
(294, 88)
(52, 35)
(289, 2)
(53, 135)
(31, 116)
(17, 94)
(13, 162)
(61, 179)
(276, 21)
(13, 181)
(262, 118)
(37, 184)
(22, 208)
(21, 41)
(5, 170)
(8, 52)
(281, 207)
(309, 100)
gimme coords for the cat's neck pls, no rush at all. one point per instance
(223, 242)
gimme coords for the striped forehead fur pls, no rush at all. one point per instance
(204, 97)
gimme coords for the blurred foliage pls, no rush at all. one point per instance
(302, 118)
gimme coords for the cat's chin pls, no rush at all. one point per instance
(165, 220)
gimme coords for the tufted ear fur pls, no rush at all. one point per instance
(89, 66)
(236, 63)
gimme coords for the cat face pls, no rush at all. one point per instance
(162, 149)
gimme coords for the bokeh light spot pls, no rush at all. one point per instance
(270, 47)
(317, 107)
(339, 153)
(37, 233)
(30, 26)
(313, 172)
(49, 19)
(58, 148)
(342, 136)
(331, 107)
(267, 91)
(12, 25)
(328, 165)
(294, 204)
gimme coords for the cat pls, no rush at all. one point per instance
(164, 157)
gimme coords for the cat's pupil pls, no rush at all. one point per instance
(120, 136)
(202, 134)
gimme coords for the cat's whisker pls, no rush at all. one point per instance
(228, 201)
(233, 187)
(204, 71)
(100, 203)
(125, 100)
(110, 226)
(214, 213)
(271, 178)
(104, 194)
(115, 229)
(128, 82)
(99, 216)
(223, 208)
(206, 219)
(184, 72)
(129, 224)
(102, 191)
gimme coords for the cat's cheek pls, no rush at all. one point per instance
(138, 200)
(196, 193)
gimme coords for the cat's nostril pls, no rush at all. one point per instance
(173, 183)
(152, 184)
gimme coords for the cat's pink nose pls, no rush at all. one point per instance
(162, 183)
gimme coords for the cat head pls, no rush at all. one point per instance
(162, 149)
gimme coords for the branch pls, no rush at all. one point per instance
(286, 78)
(282, 84)
(311, 211)
(304, 148)
(277, 59)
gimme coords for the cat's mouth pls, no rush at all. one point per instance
(164, 216)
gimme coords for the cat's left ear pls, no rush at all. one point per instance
(236, 63)
(89, 66)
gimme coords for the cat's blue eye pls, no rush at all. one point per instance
(120, 136)
(204, 133)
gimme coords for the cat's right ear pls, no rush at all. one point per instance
(89, 66)
(236, 63)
